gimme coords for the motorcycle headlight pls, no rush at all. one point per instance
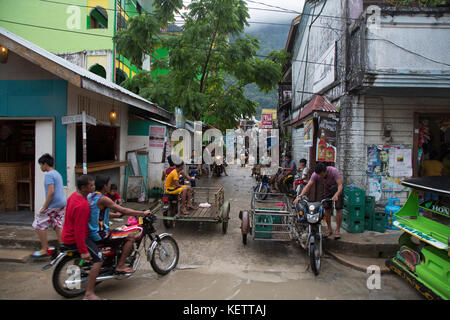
(311, 208)
(218, 157)
(313, 218)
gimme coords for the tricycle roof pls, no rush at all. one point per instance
(436, 184)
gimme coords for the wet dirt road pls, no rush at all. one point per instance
(218, 266)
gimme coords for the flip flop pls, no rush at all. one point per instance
(123, 272)
(38, 254)
(337, 237)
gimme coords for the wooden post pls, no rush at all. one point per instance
(84, 142)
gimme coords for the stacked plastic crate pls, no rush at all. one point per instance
(353, 219)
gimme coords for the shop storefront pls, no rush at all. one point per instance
(315, 136)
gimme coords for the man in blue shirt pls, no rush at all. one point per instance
(99, 231)
(287, 167)
(52, 212)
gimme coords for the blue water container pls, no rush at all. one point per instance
(390, 210)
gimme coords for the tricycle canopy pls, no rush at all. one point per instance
(439, 185)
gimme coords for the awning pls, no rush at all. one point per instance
(317, 104)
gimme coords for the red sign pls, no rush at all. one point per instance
(266, 120)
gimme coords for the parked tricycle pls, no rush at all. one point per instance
(268, 219)
(218, 210)
(423, 255)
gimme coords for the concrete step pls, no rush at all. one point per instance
(359, 263)
(369, 244)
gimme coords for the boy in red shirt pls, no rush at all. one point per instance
(114, 195)
(75, 230)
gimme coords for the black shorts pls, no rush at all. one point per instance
(96, 254)
(329, 193)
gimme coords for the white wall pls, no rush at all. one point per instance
(428, 36)
(44, 143)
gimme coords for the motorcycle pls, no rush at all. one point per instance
(285, 185)
(71, 272)
(217, 166)
(308, 229)
(299, 185)
(262, 189)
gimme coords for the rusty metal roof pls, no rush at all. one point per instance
(317, 103)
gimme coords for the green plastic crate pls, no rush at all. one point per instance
(368, 222)
(355, 197)
(379, 222)
(275, 219)
(355, 213)
(369, 207)
(356, 226)
(263, 219)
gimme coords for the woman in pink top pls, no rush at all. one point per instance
(332, 181)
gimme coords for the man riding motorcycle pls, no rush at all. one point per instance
(100, 206)
(288, 167)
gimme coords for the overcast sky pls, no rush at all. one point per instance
(274, 14)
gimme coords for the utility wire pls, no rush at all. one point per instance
(196, 47)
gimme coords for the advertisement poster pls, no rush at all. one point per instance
(157, 137)
(401, 162)
(378, 161)
(389, 161)
(308, 134)
(375, 188)
(327, 140)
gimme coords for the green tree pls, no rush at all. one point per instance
(207, 72)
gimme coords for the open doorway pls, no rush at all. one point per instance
(433, 145)
(17, 165)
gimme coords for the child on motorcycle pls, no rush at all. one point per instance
(302, 174)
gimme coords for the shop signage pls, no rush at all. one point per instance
(77, 119)
(267, 122)
(157, 137)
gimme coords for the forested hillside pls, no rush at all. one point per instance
(272, 37)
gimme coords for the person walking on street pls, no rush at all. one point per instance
(75, 231)
(52, 212)
(332, 180)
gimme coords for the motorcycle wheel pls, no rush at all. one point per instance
(261, 188)
(165, 256)
(63, 272)
(314, 256)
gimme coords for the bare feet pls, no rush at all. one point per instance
(184, 211)
(337, 236)
(91, 296)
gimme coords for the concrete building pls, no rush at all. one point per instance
(37, 89)
(385, 71)
(80, 31)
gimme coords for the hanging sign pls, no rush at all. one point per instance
(327, 140)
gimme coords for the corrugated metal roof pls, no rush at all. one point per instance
(144, 103)
(317, 103)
